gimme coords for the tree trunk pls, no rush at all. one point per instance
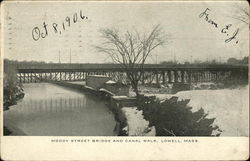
(135, 87)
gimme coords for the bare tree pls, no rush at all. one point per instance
(131, 50)
(242, 14)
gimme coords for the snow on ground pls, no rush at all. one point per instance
(230, 107)
(131, 93)
(137, 125)
(91, 88)
(78, 82)
(146, 89)
(110, 82)
(105, 90)
(167, 88)
(150, 89)
(205, 85)
(117, 97)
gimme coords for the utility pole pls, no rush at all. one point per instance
(59, 57)
(70, 56)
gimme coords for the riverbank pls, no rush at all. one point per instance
(11, 97)
(230, 107)
(136, 123)
(121, 121)
(129, 121)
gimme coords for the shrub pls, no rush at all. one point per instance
(12, 90)
(175, 118)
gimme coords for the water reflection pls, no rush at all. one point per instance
(65, 114)
(52, 105)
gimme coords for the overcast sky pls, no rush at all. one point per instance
(191, 36)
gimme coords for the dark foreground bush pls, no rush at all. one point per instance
(6, 131)
(12, 91)
(175, 118)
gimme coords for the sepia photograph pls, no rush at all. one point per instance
(125, 69)
(165, 77)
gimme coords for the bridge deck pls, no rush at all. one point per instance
(152, 72)
(116, 67)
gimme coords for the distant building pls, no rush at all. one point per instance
(96, 81)
(104, 83)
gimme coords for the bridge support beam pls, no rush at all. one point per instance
(182, 76)
(163, 77)
(175, 76)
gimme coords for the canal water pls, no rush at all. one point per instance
(51, 110)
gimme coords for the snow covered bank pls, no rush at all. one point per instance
(136, 124)
(78, 82)
(206, 85)
(147, 89)
(230, 107)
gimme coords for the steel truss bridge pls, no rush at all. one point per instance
(153, 73)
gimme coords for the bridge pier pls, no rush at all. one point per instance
(189, 77)
(182, 76)
(175, 76)
(143, 78)
(169, 76)
(157, 78)
(163, 77)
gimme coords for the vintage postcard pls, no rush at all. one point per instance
(124, 80)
